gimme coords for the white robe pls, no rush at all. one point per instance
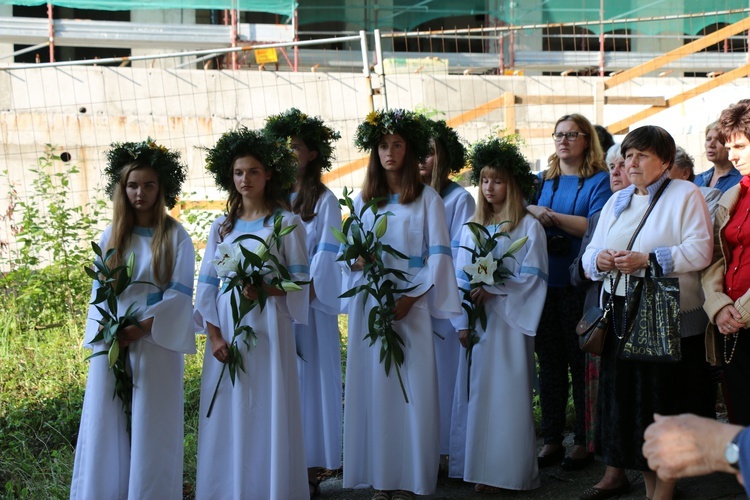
(459, 207)
(492, 435)
(318, 342)
(251, 446)
(109, 464)
(389, 444)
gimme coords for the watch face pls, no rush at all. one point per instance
(732, 454)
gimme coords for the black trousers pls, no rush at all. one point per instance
(557, 350)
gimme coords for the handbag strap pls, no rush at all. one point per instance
(657, 195)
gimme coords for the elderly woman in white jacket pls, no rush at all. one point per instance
(677, 237)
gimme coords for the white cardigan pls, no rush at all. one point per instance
(678, 230)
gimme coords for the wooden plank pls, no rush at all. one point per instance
(202, 205)
(673, 55)
(509, 106)
(622, 126)
(347, 169)
(543, 100)
(475, 113)
(635, 100)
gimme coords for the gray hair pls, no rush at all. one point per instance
(612, 154)
(684, 161)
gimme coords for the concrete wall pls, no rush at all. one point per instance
(81, 110)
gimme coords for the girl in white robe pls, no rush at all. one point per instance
(447, 155)
(318, 341)
(251, 446)
(390, 444)
(493, 443)
(147, 462)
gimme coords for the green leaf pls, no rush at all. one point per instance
(370, 205)
(340, 237)
(92, 274)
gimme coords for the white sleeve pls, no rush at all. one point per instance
(324, 270)
(173, 322)
(521, 299)
(207, 291)
(437, 277)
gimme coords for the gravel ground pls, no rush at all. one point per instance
(558, 484)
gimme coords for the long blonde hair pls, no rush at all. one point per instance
(123, 222)
(593, 161)
(514, 207)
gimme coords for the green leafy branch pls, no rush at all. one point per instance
(112, 282)
(258, 269)
(366, 244)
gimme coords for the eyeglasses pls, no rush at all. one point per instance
(570, 136)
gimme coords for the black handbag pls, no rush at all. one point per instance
(592, 329)
(654, 334)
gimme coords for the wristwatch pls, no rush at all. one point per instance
(732, 452)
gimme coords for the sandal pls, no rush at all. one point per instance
(402, 495)
(381, 495)
(486, 488)
(314, 488)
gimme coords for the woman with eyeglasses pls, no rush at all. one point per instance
(574, 187)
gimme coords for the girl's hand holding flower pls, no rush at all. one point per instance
(463, 338)
(219, 346)
(132, 333)
(479, 295)
(403, 306)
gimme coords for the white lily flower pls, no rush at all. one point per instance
(228, 260)
(482, 270)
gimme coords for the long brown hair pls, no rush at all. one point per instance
(593, 161)
(514, 207)
(441, 169)
(274, 197)
(123, 222)
(310, 186)
(376, 184)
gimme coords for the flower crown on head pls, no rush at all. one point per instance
(166, 164)
(450, 143)
(412, 126)
(311, 130)
(273, 153)
(502, 153)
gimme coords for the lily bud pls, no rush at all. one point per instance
(381, 227)
(290, 286)
(114, 353)
(516, 246)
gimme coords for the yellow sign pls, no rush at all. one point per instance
(265, 56)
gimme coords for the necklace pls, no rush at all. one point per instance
(624, 309)
(735, 338)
